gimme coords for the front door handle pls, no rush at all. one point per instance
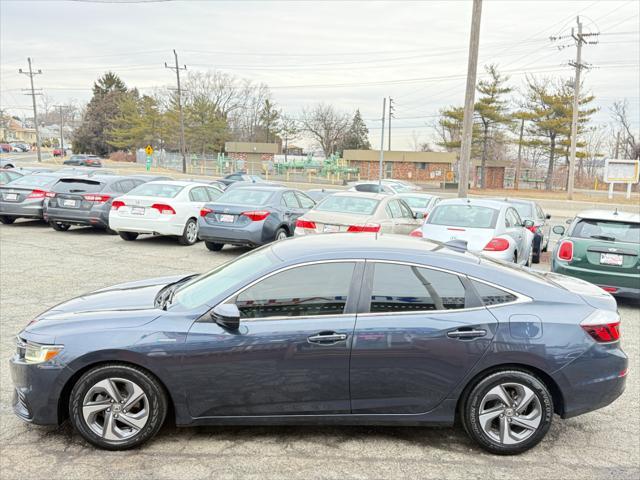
(325, 338)
(466, 334)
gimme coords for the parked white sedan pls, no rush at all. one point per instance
(491, 227)
(162, 208)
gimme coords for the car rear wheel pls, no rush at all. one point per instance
(508, 412)
(190, 233)
(128, 236)
(117, 407)
(7, 219)
(281, 234)
(214, 247)
(60, 227)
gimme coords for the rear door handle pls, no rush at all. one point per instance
(327, 337)
(466, 334)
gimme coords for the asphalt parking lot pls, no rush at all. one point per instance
(40, 267)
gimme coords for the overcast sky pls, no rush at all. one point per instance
(350, 54)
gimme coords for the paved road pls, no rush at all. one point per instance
(41, 267)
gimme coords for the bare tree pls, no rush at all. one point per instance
(628, 146)
(326, 126)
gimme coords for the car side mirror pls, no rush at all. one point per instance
(568, 221)
(548, 216)
(559, 229)
(418, 215)
(226, 315)
(527, 223)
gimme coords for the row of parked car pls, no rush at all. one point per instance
(244, 210)
(14, 147)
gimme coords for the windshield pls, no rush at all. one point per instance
(204, 288)
(606, 230)
(470, 216)
(418, 201)
(163, 190)
(245, 196)
(346, 204)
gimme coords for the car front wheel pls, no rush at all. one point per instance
(214, 247)
(6, 219)
(117, 407)
(60, 227)
(508, 412)
(128, 236)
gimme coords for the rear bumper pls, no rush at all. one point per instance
(93, 216)
(26, 209)
(159, 226)
(627, 284)
(250, 235)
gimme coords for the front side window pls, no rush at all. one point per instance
(406, 211)
(406, 288)
(308, 290)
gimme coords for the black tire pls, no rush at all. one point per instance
(214, 247)
(279, 233)
(110, 231)
(535, 258)
(128, 236)
(60, 227)
(471, 405)
(186, 233)
(155, 405)
(7, 220)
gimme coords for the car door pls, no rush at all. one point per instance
(513, 228)
(290, 355)
(418, 332)
(198, 197)
(407, 222)
(291, 209)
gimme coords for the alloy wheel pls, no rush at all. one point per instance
(510, 413)
(116, 409)
(281, 235)
(192, 232)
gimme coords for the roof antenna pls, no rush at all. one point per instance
(616, 212)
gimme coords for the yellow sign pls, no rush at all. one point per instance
(149, 150)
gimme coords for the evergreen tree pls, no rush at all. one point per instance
(357, 136)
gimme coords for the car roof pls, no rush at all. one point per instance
(178, 183)
(260, 186)
(355, 193)
(479, 202)
(513, 200)
(610, 215)
(416, 194)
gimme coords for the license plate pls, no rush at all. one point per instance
(68, 203)
(11, 196)
(331, 228)
(137, 210)
(227, 218)
(610, 259)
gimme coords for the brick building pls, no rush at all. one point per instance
(495, 173)
(251, 155)
(412, 166)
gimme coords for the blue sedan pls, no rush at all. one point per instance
(331, 329)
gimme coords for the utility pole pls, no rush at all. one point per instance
(182, 145)
(516, 181)
(617, 144)
(469, 98)
(33, 94)
(60, 107)
(390, 115)
(384, 107)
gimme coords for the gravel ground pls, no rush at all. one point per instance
(40, 267)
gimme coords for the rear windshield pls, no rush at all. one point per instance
(470, 216)
(346, 204)
(607, 230)
(34, 180)
(417, 202)
(77, 185)
(245, 196)
(156, 190)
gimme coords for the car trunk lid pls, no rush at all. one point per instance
(330, 222)
(476, 238)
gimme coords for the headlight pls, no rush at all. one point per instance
(36, 353)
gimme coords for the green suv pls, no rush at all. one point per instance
(603, 248)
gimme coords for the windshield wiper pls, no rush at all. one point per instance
(603, 237)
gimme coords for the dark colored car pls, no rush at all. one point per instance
(8, 175)
(340, 329)
(92, 161)
(88, 171)
(5, 147)
(601, 247)
(252, 216)
(85, 200)
(75, 160)
(241, 177)
(24, 197)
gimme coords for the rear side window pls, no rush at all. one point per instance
(213, 193)
(198, 194)
(417, 202)
(470, 216)
(77, 185)
(394, 209)
(605, 230)
(163, 190)
(347, 204)
(289, 200)
(246, 196)
(368, 187)
(492, 295)
(305, 201)
(406, 288)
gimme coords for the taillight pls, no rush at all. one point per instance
(50, 194)
(602, 326)
(116, 204)
(610, 289)
(565, 251)
(496, 245)
(533, 228)
(205, 211)
(256, 215)
(367, 228)
(416, 233)
(302, 223)
(164, 209)
(37, 194)
(96, 198)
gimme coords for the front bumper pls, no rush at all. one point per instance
(93, 216)
(251, 235)
(626, 284)
(25, 209)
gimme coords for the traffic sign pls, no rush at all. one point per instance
(149, 150)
